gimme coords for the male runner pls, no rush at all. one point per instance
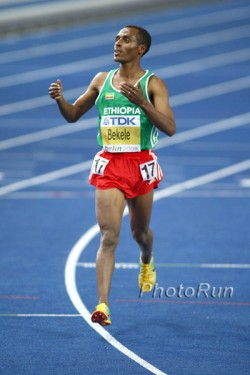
(133, 104)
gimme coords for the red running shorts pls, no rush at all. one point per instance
(134, 173)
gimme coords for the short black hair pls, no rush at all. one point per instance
(143, 36)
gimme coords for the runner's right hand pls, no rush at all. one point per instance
(55, 90)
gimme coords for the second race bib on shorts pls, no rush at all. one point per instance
(148, 170)
(121, 133)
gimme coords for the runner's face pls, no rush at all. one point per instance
(126, 47)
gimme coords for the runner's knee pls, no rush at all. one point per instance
(109, 239)
(140, 236)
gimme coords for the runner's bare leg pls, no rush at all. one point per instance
(140, 209)
(110, 206)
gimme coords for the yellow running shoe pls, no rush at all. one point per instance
(101, 315)
(147, 276)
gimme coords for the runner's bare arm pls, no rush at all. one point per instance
(159, 112)
(72, 112)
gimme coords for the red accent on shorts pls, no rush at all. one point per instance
(123, 172)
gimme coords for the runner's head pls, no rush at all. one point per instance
(143, 36)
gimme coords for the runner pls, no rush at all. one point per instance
(133, 104)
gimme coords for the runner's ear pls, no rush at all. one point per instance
(142, 49)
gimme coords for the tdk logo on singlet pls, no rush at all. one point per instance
(120, 121)
(113, 121)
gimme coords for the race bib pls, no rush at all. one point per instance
(148, 170)
(121, 133)
(99, 164)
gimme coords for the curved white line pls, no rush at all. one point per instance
(71, 287)
(77, 250)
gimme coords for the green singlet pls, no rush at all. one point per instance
(123, 126)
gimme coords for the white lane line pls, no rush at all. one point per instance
(17, 2)
(57, 48)
(83, 242)
(117, 265)
(58, 70)
(41, 179)
(49, 133)
(201, 20)
(206, 63)
(40, 315)
(202, 180)
(211, 91)
(131, 266)
(40, 101)
(50, 10)
(215, 265)
(81, 167)
(245, 182)
(197, 41)
(106, 61)
(204, 130)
